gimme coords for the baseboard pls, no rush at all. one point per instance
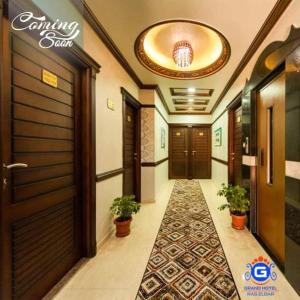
(148, 201)
(106, 238)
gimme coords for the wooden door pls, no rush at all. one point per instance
(179, 152)
(130, 162)
(271, 168)
(200, 152)
(41, 203)
(237, 146)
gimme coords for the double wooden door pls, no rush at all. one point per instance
(40, 196)
(190, 152)
(271, 166)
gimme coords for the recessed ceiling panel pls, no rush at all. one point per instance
(191, 92)
(189, 109)
(154, 48)
(188, 101)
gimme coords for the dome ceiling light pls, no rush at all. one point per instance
(183, 54)
(182, 49)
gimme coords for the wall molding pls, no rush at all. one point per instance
(267, 26)
(154, 164)
(93, 21)
(221, 161)
(109, 174)
(156, 108)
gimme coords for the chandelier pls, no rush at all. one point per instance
(183, 54)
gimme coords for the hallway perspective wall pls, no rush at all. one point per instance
(220, 170)
(108, 127)
(161, 171)
(279, 32)
(154, 124)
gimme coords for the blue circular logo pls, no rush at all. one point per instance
(260, 272)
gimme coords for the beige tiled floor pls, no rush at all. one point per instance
(241, 247)
(116, 272)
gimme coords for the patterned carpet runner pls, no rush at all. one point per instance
(187, 260)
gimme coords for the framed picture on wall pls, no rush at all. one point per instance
(218, 137)
(163, 138)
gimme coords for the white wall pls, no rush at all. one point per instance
(220, 171)
(159, 125)
(154, 178)
(108, 127)
(279, 33)
(194, 119)
(221, 152)
(161, 171)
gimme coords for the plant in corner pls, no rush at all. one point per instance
(123, 208)
(237, 203)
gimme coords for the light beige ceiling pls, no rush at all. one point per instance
(160, 40)
(239, 21)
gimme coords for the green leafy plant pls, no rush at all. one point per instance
(237, 200)
(124, 207)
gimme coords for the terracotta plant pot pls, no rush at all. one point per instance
(122, 227)
(238, 222)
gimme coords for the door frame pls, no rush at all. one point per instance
(127, 98)
(88, 68)
(237, 101)
(187, 125)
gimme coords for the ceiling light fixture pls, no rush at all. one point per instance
(190, 100)
(183, 54)
(191, 90)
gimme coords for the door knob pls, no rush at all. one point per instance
(15, 165)
(186, 152)
(193, 152)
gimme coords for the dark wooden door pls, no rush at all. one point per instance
(200, 152)
(130, 163)
(190, 152)
(237, 146)
(271, 168)
(40, 204)
(179, 152)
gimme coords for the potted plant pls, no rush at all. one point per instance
(237, 202)
(124, 207)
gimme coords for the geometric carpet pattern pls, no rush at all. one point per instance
(187, 260)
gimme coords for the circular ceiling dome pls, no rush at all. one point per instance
(154, 49)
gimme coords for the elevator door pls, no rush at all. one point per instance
(271, 167)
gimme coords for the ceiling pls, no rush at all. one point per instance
(239, 23)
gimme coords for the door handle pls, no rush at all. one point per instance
(193, 152)
(186, 152)
(15, 165)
